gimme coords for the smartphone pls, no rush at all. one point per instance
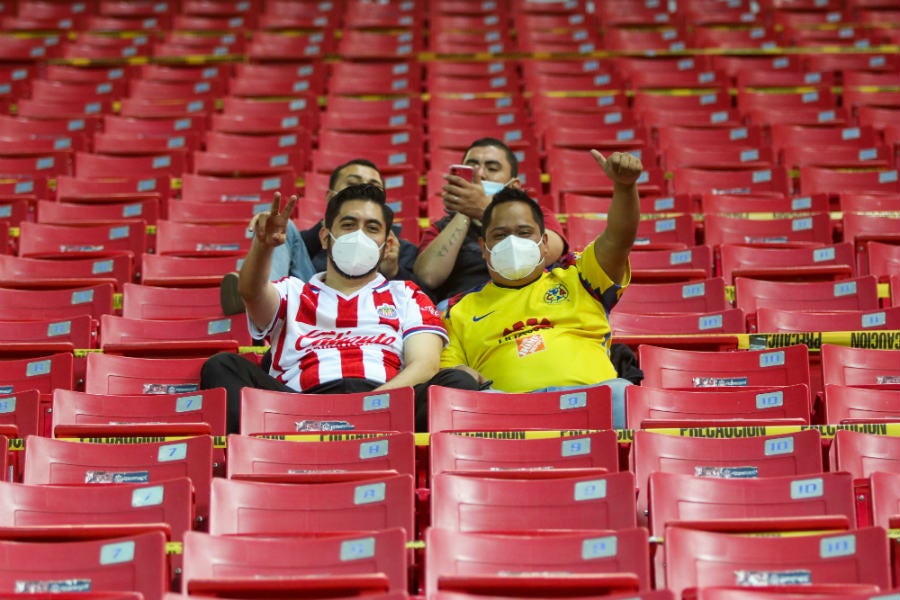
(464, 171)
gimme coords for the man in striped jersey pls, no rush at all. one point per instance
(347, 329)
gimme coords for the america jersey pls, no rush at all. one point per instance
(319, 335)
(552, 332)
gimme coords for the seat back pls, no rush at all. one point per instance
(259, 507)
(452, 409)
(701, 558)
(258, 456)
(266, 411)
(136, 562)
(462, 556)
(455, 452)
(74, 463)
(525, 501)
(208, 557)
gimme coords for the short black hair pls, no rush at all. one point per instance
(363, 191)
(510, 194)
(356, 161)
(489, 141)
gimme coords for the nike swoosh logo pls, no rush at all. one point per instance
(476, 319)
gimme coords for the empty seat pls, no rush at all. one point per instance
(762, 456)
(848, 404)
(570, 563)
(520, 501)
(219, 563)
(136, 562)
(74, 463)
(259, 507)
(460, 410)
(701, 558)
(459, 452)
(845, 365)
(687, 369)
(648, 407)
(266, 411)
(263, 458)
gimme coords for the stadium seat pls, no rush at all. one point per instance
(670, 266)
(882, 260)
(814, 229)
(462, 410)
(648, 407)
(705, 296)
(772, 320)
(665, 233)
(49, 461)
(844, 365)
(42, 240)
(701, 558)
(378, 503)
(885, 499)
(259, 458)
(856, 294)
(112, 374)
(135, 562)
(354, 562)
(862, 454)
(41, 373)
(827, 263)
(266, 411)
(627, 323)
(685, 369)
(797, 453)
(459, 452)
(81, 414)
(849, 404)
(177, 271)
(85, 511)
(152, 302)
(526, 500)
(573, 563)
(766, 504)
(173, 337)
(37, 273)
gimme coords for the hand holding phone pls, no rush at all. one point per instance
(464, 171)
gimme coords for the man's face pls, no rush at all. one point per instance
(490, 162)
(360, 214)
(511, 218)
(357, 175)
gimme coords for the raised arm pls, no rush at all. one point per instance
(614, 244)
(259, 295)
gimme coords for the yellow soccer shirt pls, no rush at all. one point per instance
(554, 331)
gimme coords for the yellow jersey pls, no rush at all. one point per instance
(552, 332)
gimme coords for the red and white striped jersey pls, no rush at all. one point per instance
(319, 335)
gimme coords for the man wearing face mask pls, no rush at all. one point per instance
(347, 329)
(450, 260)
(302, 254)
(533, 330)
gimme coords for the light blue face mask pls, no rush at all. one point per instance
(492, 187)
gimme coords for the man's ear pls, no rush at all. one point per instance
(323, 236)
(514, 183)
(484, 251)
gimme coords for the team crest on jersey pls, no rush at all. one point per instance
(556, 294)
(387, 311)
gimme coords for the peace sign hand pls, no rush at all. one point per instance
(270, 229)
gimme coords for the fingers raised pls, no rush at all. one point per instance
(601, 160)
(289, 209)
(276, 204)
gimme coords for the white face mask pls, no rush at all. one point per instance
(515, 257)
(355, 254)
(492, 187)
